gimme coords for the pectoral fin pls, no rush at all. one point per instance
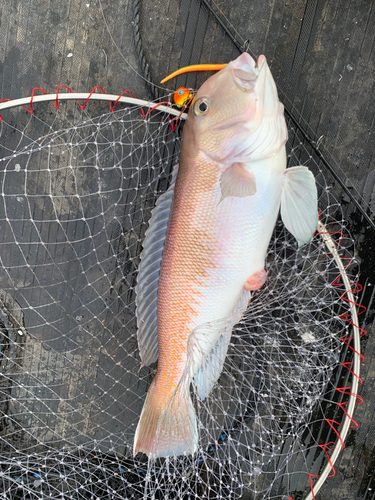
(237, 181)
(299, 203)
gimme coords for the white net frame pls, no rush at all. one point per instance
(231, 461)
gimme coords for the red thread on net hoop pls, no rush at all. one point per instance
(326, 449)
(172, 120)
(347, 390)
(32, 98)
(2, 100)
(355, 288)
(82, 106)
(57, 104)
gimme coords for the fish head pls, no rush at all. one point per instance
(233, 110)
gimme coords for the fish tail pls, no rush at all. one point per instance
(169, 429)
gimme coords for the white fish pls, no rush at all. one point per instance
(206, 245)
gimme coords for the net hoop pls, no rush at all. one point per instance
(323, 233)
(85, 96)
(331, 247)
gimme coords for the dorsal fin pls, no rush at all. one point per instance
(148, 276)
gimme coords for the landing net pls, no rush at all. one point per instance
(77, 190)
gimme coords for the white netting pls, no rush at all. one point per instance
(76, 196)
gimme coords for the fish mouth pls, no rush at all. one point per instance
(246, 71)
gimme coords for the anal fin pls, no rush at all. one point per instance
(208, 346)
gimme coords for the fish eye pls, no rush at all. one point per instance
(201, 106)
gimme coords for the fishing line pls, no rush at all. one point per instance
(343, 185)
(153, 87)
(244, 46)
(154, 90)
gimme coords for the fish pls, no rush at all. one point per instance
(205, 248)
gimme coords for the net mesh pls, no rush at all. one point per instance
(76, 195)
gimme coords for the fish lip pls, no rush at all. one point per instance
(260, 62)
(246, 71)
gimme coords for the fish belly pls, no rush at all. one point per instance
(244, 229)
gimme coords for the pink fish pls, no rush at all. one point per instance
(206, 244)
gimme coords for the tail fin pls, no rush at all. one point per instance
(167, 430)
